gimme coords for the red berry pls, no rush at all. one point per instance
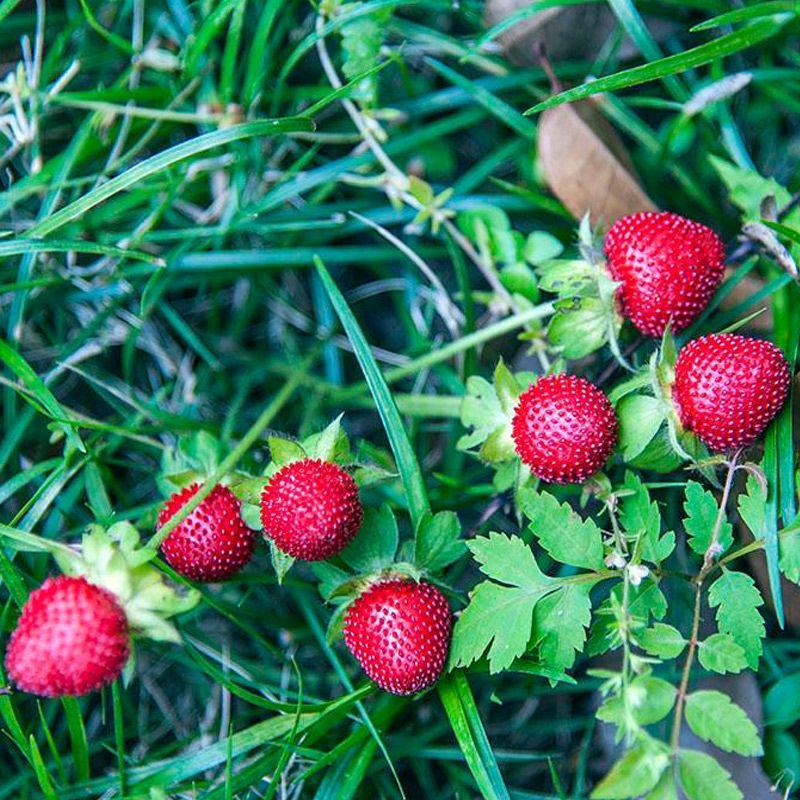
(310, 509)
(71, 639)
(727, 388)
(213, 542)
(564, 428)
(669, 268)
(399, 631)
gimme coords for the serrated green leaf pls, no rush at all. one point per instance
(747, 189)
(701, 511)
(662, 640)
(639, 515)
(737, 601)
(715, 718)
(560, 621)
(438, 541)
(636, 773)
(752, 505)
(640, 416)
(720, 653)
(500, 617)
(375, 544)
(561, 531)
(703, 777)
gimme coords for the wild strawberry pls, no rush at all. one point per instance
(213, 542)
(72, 638)
(669, 268)
(310, 509)
(399, 631)
(564, 428)
(727, 388)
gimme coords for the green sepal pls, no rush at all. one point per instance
(114, 560)
(194, 457)
(281, 562)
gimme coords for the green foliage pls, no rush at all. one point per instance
(736, 599)
(716, 719)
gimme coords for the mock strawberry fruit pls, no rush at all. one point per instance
(399, 631)
(72, 638)
(728, 388)
(668, 267)
(213, 542)
(564, 428)
(310, 509)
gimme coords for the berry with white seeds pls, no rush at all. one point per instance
(213, 542)
(399, 632)
(564, 428)
(728, 388)
(72, 638)
(310, 509)
(668, 267)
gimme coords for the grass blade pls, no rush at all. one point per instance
(407, 464)
(157, 163)
(671, 65)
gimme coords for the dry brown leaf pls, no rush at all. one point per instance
(586, 166)
(570, 32)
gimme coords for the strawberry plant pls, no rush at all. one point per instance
(399, 400)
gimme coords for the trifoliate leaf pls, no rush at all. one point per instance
(560, 621)
(635, 774)
(375, 544)
(437, 543)
(701, 511)
(702, 777)
(720, 653)
(715, 718)
(499, 617)
(662, 640)
(737, 600)
(640, 416)
(639, 515)
(561, 531)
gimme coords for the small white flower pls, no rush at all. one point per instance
(637, 573)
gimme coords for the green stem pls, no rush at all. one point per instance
(708, 566)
